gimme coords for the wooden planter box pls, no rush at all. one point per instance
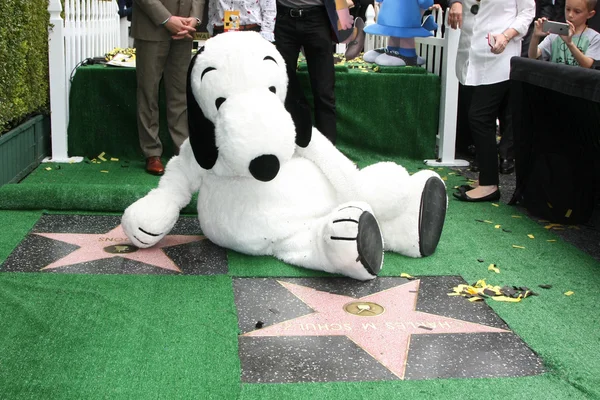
(23, 149)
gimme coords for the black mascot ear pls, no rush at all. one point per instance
(301, 116)
(202, 130)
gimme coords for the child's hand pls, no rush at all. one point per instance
(345, 20)
(537, 30)
(568, 39)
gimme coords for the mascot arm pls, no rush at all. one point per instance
(152, 217)
(339, 169)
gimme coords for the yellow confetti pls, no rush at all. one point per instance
(549, 205)
(492, 267)
(516, 216)
(114, 159)
(495, 205)
(104, 171)
(453, 294)
(497, 226)
(568, 214)
(101, 156)
(507, 299)
(444, 178)
(569, 293)
(48, 169)
(552, 226)
(451, 173)
(551, 240)
(487, 222)
(518, 247)
(472, 299)
(530, 236)
(405, 275)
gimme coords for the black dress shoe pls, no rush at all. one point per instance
(463, 196)
(507, 166)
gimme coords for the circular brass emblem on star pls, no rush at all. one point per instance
(121, 249)
(364, 308)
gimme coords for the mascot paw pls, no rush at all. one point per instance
(149, 219)
(355, 242)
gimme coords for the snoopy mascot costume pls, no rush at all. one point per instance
(268, 183)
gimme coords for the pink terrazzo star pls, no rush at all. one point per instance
(92, 247)
(382, 323)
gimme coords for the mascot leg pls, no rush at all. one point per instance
(410, 209)
(348, 241)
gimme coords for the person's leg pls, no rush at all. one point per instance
(150, 60)
(288, 43)
(319, 58)
(506, 149)
(175, 76)
(483, 111)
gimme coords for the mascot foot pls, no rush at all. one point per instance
(369, 243)
(394, 59)
(432, 215)
(355, 242)
(371, 55)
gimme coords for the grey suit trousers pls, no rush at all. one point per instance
(167, 60)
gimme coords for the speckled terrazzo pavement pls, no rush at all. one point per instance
(88, 244)
(296, 330)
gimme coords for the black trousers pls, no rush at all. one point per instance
(311, 30)
(486, 105)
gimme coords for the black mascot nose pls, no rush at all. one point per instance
(265, 167)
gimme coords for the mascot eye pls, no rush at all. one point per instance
(219, 101)
(273, 89)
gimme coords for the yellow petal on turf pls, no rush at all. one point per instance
(569, 293)
(568, 214)
(106, 172)
(495, 205)
(530, 236)
(497, 226)
(518, 247)
(551, 240)
(48, 169)
(487, 222)
(492, 267)
(507, 299)
(114, 159)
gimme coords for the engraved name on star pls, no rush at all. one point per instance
(381, 323)
(115, 243)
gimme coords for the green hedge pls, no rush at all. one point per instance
(23, 60)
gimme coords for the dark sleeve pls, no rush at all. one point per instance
(545, 8)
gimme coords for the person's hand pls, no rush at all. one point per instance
(500, 43)
(345, 20)
(568, 39)
(181, 27)
(435, 7)
(455, 15)
(537, 28)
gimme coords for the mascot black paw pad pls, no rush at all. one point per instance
(432, 215)
(370, 243)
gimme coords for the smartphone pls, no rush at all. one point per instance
(558, 28)
(491, 40)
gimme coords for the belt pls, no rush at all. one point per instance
(247, 27)
(299, 12)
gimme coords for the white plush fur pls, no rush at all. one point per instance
(291, 216)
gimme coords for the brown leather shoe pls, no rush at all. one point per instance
(154, 166)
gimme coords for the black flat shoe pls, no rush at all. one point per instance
(507, 166)
(463, 196)
(465, 188)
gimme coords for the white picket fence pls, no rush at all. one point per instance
(91, 28)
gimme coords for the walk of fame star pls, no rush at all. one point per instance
(99, 246)
(381, 324)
